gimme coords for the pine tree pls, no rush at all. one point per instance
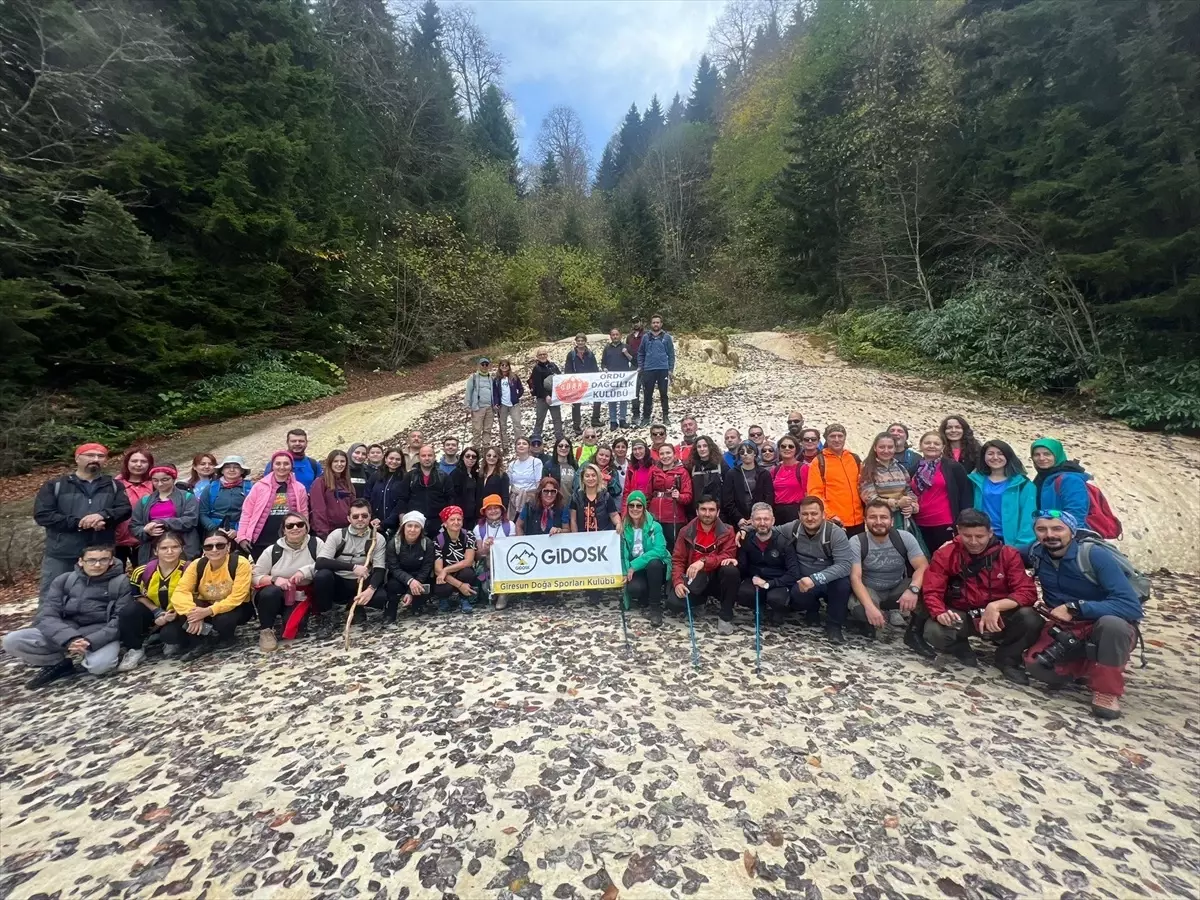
(653, 122)
(492, 136)
(676, 113)
(706, 91)
(767, 41)
(606, 172)
(437, 126)
(630, 143)
(549, 178)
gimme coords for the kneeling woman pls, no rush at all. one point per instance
(283, 575)
(645, 556)
(211, 600)
(545, 513)
(454, 565)
(410, 557)
(153, 585)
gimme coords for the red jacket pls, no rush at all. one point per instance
(635, 480)
(686, 552)
(1003, 576)
(662, 505)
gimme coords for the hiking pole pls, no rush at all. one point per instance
(353, 604)
(687, 599)
(624, 624)
(757, 636)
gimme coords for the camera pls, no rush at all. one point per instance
(1066, 647)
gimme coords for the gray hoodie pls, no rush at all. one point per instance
(810, 551)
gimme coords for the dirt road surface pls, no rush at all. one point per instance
(527, 753)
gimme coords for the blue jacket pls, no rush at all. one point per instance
(1018, 506)
(586, 364)
(656, 353)
(1065, 488)
(613, 358)
(221, 506)
(1062, 580)
(306, 470)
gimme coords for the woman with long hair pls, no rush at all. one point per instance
(331, 494)
(204, 471)
(167, 509)
(645, 556)
(384, 491)
(547, 512)
(562, 466)
(706, 465)
(493, 479)
(744, 486)
(885, 478)
(790, 481)
(524, 474)
(464, 486)
(506, 398)
(592, 506)
(637, 476)
(269, 501)
(942, 490)
(153, 584)
(134, 478)
(959, 442)
(1005, 493)
(612, 477)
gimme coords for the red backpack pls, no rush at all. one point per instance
(1100, 517)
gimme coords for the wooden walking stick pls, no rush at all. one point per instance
(353, 604)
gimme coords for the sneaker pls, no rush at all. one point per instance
(443, 606)
(131, 660)
(624, 424)
(896, 618)
(1106, 706)
(266, 640)
(612, 426)
(170, 651)
(467, 607)
(656, 617)
(834, 633)
(1015, 674)
(645, 422)
(50, 674)
(724, 627)
(812, 621)
(201, 648)
(501, 601)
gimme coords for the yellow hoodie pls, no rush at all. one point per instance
(215, 590)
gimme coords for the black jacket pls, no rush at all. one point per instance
(62, 502)
(586, 364)
(494, 484)
(385, 493)
(537, 378)
(708, 483)
(777, 563)
(428, 499)
(959, 490)
(613, 358)
(360, 476)
(464, 492)
(736, 501)
(408, 561)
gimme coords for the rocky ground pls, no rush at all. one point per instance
(529, 754)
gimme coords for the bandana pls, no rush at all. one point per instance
(1065, 517)
(91, 448)
(279, 453)
(166, 470)
(451, 511)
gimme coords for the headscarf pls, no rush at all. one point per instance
(451, 511)
(412, 516)
(1053, 445)
(1062, 515)
(350, 455)
(279, 453)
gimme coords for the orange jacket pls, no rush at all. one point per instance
(837, 486)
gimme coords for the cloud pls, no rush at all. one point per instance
(595, 56)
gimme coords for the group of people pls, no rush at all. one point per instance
(944, 541)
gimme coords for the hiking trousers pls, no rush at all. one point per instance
(542, 406)
(33, 648)
(1021, 628)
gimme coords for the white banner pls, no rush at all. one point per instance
(560, 562)
(594, 387)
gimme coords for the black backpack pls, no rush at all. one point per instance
(897, 542)
(277, 551)
(821, 462)
(826, 540)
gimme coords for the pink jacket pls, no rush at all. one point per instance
(257, 505)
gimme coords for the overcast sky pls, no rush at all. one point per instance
(597, 56)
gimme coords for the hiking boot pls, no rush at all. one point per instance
(266, 640)
(866, 629)
(502, 601)
(964, 654)
(170, 651)
(724, 627)
(624, 424)
(914, 639)
(466, 606)
(812, 620)
(774, 616)
(131, 660)
(834, 633)
(1106, 706)
(612, 426)
(656, 617)
(49, 674)
(360, 616)
(1015, 674)
(896, 618)
(323, 627)
(202, 647)
(443, 606)
(645, 422)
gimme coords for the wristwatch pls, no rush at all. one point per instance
(1073, 606)
(916, 589)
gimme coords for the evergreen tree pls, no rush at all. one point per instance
(676, 113)
(634, 233)
(630, 143)
(653, 122)
(549, 178)
(706, 91)
(492, 134)
(606, 173)
(572, 233)
(437, 126)
(767, 41)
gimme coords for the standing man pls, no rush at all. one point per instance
(78, 511)
(540, 384)
(306, 469)
(656, 361)
(582, 360)
(632, 343)
(833, 476)
(412, 451)
(795, 423)
(617, 358)
(427, 489)
(733, 440)
(691, 431)
(479, 402)
(449, 460)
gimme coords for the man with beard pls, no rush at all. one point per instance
(78, 511)
(767, 564)
(976, 586)
(888, 571)
(691, 431)
(825, 558)
(795, 423)
(704, 564)
(427, 489)
(305, 468)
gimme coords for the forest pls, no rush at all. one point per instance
(211, 207)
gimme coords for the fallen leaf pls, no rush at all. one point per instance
(410, 845)
(156, 814)
(517, 884)
(1132, 756)
(831, 689)
(1154, 643)
(610, 892)
(750, 861)
(814, 761)
(284, 818)
(572, 691)
(775, 839)
(511, 829)
(891, 822)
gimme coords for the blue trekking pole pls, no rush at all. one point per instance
(624, 625)
(692, 628)
(757, 636)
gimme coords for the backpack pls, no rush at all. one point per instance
(826, 540)
(1139, 581)
(821, 463)
(897, 543)
(277, 550)
(1100, 517)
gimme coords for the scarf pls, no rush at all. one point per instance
(926, 472)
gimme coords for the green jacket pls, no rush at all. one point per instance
(654, 546)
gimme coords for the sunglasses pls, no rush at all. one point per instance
(294, 526)
(361, 517)
(749, 452)
(635, 505)
(549, 491)
(485, 365)
(755, 434)
(218, 546)
(810, 440)
(470, 456)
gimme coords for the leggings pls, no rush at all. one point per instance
(224, 625)
(133, 622)
(647, 583)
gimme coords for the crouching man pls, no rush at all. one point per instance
(976, 586)
(1091, 610)
(76, 620)
(768, 565)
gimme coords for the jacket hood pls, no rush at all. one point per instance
(980, 479)
(1053, 445)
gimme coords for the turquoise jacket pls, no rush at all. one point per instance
(654, 546)
(1018, 507)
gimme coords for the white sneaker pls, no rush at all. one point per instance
(131, 660)
(724, 627)
(896, 618)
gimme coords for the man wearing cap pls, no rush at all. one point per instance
(78, 511)
(1091, 612)
(221, 502)
(479, 402)
(540, 385)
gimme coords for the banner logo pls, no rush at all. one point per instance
(521, 558)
